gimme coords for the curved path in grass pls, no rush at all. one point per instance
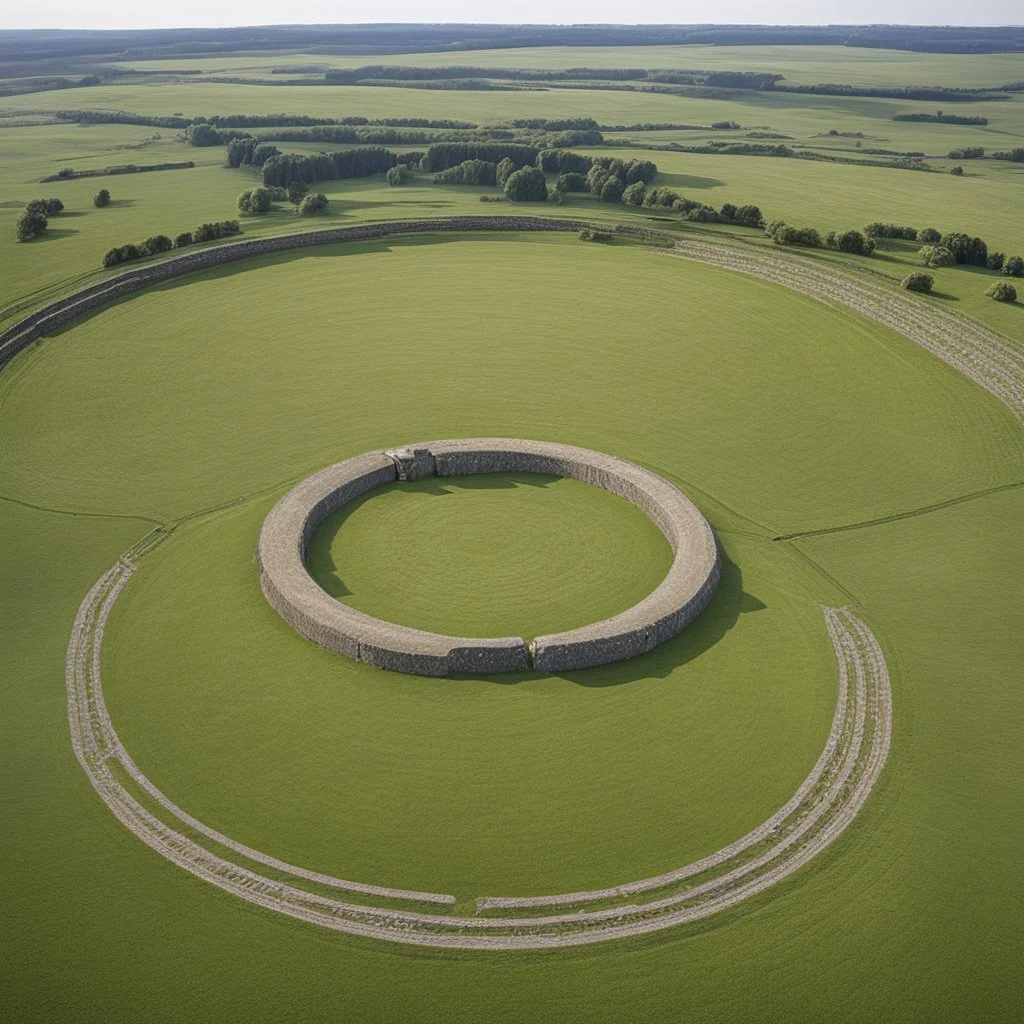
(822, 807)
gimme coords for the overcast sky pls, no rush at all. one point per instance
(189, 13)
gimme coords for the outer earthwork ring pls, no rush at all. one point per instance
(684, 593)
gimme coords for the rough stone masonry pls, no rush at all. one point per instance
(690, 584)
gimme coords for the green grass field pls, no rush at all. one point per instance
(801, 64)
(195, 404)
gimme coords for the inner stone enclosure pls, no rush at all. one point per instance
(284, 540)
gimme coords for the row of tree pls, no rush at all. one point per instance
(441, 156)
(156, 244)
(940, 118)
(939, 250)
(250, 152)
(285, 168)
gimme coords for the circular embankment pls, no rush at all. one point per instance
(684, 593)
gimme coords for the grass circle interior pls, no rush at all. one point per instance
(690, 584)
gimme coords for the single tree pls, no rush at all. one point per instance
(313, 204)
(1014, 267)
(102, 198)
(936, 256)
(30, 225)
(527, 185)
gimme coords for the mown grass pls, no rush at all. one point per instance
(401, 553)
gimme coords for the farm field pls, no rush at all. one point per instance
(843, 460)
(803, 64)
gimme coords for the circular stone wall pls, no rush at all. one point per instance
(684, 593)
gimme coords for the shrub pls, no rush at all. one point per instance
(47, 207)
(469, 172)
(918, 282)
(680, 204)
(664, 197)
(878, 230)
(703, 214)
(155, 244)
(1014, 267)
(563, 161)
(850, 241)
(929, 236)
(634, 194)
(556, 197)
(31, 224)
(1002, 291)
(936, 256)
(254, 201)
(527, 185)
(102, 198)
(121, 254)
(296, 190)
(312, 204)
(590, 235)
(966, 249)
(995, 261)
(611, 191)
(185, 238)
(748, 216)
(640, 170)
(217, 229)
(596, 177)
(570, 182)
(958, 170)
(785, 234)
(398, 175)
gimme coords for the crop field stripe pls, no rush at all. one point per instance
(95, 743)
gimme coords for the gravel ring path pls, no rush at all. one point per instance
(818, 813)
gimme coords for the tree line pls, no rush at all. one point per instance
(285, 168)
(940, 118)
(157, 244)
(68, 173)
